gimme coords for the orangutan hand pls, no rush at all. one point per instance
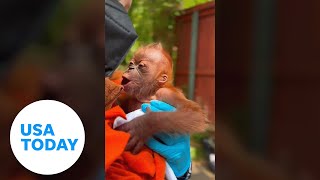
(139, 130)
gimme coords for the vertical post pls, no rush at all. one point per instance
(193, 54)
(261, 74)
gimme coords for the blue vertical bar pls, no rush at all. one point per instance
(193, 54)
(261, 73)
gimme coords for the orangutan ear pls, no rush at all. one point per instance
(163, 78)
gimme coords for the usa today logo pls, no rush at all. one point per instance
(47, 137)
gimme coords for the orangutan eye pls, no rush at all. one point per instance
(131, 65)
(141, 65)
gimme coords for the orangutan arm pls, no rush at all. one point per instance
(189, 117)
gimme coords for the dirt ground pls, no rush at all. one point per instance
(200, 171)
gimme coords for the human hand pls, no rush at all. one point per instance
(139, 131)
(175, 148)
(157, 106)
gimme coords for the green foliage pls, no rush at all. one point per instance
(191, 3)
(199, 137)
(197, 150)
(197, 153)
(154, 21)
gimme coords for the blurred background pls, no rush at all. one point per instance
(186, 29)
(267, 89)
(53, 50)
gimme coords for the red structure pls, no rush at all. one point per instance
(195, 66)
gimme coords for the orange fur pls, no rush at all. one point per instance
(197, 120)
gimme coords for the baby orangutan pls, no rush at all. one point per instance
(149, 77)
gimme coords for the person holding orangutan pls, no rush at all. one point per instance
(163, 118)
(148, 80)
